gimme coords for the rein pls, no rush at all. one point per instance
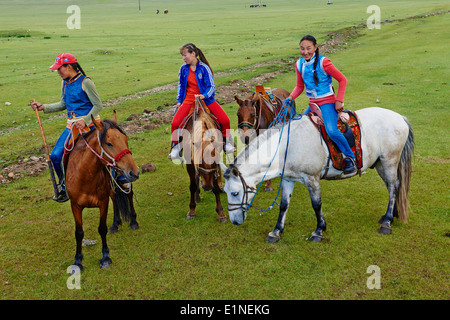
(109, 165)
(280, 118)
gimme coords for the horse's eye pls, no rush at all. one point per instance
(109, 144)
(252, 114)
(235, 194)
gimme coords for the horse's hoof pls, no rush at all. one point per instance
(134, 226)
(190, 217)
(268, 189)
(113, 229)
(222, 219)
(105, 263)
(79, 265)
(272, 239)
(316, 237)
(385, 229)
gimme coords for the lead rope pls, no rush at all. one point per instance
(281, 117)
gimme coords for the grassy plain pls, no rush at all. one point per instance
(404, 66)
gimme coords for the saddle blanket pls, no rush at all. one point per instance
(351, 132)
(273, 103)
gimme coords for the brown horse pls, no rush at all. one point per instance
(89, 180)
(202, 143)
(258, 112)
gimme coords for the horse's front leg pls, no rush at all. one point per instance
(134, 225)
(106, 261)
(79, 233)
(193, 188)
(221, 215)
(117, 221)
(313, 185)
(287, 189)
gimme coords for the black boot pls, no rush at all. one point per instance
(62, 194)
(349, 166)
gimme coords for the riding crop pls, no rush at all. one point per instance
(49, 162)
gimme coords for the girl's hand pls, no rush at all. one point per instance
(200, 96)
(339, 106)
(79, 124)
(344, 117)
(36, 105)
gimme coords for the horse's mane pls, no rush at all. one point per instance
(250, 148)
(107, 124)
(259, 140)
(203, 122)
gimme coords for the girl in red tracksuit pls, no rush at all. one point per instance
(196, 79)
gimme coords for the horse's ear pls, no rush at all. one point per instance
(114, 118)
(98, 125)
(235, 171)
(239, 101)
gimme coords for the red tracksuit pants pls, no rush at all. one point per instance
(216, 110)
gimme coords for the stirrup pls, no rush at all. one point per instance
(348, 163)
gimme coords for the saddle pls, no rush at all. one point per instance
(351, 132)
(191, 113)
(273, 103)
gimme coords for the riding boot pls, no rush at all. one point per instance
(349, 165)
(62, 194)
(229, 146)
(177, 152)
(123, 182)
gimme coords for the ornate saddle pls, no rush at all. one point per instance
(273, 103)
(351, 132)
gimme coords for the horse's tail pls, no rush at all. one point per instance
(122, 200)
(404, 175)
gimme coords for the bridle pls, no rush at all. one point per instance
(244, 205)
(256, 121)
(208, 171)
(114, 160)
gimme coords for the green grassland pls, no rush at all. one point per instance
(404, 66)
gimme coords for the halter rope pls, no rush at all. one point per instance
(280, 118)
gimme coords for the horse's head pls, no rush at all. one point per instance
(239, 195)
(114, 148)
(247, 118)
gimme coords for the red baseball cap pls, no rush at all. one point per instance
(63, 58)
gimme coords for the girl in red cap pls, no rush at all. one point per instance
(81, 100)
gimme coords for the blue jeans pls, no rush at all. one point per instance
(57, 154)
(330, 118)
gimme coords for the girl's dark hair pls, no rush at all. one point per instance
(190, 47)
(76, 66)
(314, 41)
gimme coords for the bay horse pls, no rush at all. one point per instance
(256, 112)
(387, 143)
(202, 143)
(89, 182)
